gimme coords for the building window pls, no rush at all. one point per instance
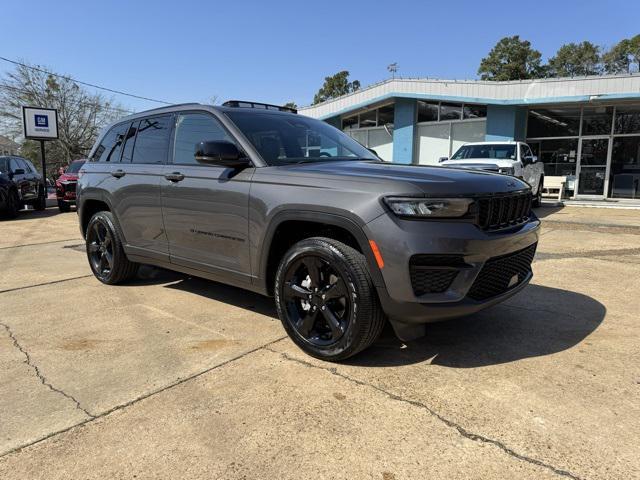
(627, 119)
(624, 181)
(427, 111)
(350, 122)
(470, 111)
(385, 115)
(554, 122)
(377, 117)
(450, 111)
(597, 120)
(368, 119)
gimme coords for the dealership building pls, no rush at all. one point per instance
(586, 129)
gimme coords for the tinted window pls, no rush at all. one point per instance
(474, 111)
(191, 129)
(4, 165)
(427, 112)
(16, 164)
(75, 167)
(111, 145)
(152, 140)
(627, 119)
(596, 120)
(30, 167)
(507, 152)
(450, 111)
(553, 122)
(288, 138)
(129, 142)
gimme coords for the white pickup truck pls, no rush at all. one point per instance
(509, 158)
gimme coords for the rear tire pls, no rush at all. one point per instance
(326, 299)
(108, 261)
(63, 206)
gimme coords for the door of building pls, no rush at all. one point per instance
(593, 166)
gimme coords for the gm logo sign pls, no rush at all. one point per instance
(42, 121)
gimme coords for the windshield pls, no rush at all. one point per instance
(497, 151)
(285, 139)
(4, 165)
(74, 167)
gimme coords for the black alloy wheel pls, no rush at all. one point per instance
(317, 300)
(100, 249)
(326, 299)
(105, 252)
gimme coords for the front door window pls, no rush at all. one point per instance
(593, 166)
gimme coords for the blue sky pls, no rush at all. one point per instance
(276, 51)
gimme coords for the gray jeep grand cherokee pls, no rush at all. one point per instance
(258, 197)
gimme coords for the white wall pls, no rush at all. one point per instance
(435, 140)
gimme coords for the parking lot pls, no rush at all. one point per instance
(177, 377)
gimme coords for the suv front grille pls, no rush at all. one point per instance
(433, 273)
(504, 211)
(497, 274)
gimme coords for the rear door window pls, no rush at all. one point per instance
(111, 146)
(152, 140)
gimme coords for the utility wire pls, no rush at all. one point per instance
(88, 104)
(119, 92)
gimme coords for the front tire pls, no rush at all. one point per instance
(13, 204)
(107, 258)
(326, 299)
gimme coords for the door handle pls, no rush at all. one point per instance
(174, 177)
(118, 173)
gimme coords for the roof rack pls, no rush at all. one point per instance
(264, 106)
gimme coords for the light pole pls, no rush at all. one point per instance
(393, 68)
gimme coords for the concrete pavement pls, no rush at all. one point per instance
(172, 376)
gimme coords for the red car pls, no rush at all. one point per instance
(66, 186)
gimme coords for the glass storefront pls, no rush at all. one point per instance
(597, 147)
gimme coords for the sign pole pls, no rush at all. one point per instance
(44, 163)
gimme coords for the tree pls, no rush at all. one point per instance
(336, 86)
(619, 58)
(511, 59)
(81, 115)
(291, 105)
(576, 59)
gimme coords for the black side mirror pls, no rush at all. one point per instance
(18, 171)
(225, 154)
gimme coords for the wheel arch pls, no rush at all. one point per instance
(289, 227)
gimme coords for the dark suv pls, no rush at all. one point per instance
(265, 199)
(20, 184)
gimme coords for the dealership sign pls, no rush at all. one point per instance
(40, 123)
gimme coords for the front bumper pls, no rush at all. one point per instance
(399, 240)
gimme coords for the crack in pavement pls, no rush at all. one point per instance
(136, 399)
(45, 283)
(449, 423)
(41, 377)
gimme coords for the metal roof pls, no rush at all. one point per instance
(518, 92)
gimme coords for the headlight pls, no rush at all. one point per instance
(506, 170)
(429, 207)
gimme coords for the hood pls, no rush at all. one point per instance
(481, 163)
(390, 178)
(68, 177)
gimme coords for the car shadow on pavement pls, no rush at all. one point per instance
(538, 321)
(546, 210)
(32, 214)
(220, 292)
